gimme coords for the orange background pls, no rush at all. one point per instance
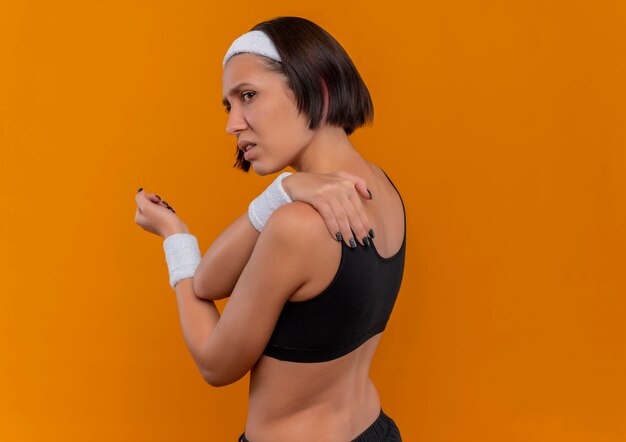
(502, 124)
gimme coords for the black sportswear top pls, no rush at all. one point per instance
(355, 306)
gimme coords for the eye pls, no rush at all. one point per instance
(243, 98)
(247, 94)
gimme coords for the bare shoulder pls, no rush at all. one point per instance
(308, 242)
(298, 233)
(278, 267)
(296, 222)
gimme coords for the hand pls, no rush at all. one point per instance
(336, 196)
(156, 216)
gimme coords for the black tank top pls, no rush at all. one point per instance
(355, 306)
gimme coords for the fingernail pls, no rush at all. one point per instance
(368, 191)
(338, 236)
(371, 233)
(158, 196)
(352, 243)
(366, 241)
(140, 189)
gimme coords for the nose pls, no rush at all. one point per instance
(236, 121)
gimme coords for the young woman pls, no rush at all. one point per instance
(307, 309)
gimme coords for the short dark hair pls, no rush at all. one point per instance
(312, 60)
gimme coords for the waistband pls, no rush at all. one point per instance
(374, 433)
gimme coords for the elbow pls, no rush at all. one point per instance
(203, 292)
(220, 376)
(200, 290)
(197, 288)
(214, 382)
(217, 379)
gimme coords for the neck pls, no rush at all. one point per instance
(329, 150)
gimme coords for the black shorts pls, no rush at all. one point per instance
(384, 429)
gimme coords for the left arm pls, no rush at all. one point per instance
(225, 347)
(198, 317)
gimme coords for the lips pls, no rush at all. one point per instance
(247, 150)
(244, 145)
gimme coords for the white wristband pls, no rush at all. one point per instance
(182, 255)
(272, 198)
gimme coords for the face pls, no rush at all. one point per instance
(262, 110)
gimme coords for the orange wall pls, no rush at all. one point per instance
(502, 124)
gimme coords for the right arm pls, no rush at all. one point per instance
(335, 196)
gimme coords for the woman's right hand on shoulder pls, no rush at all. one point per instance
(337, 197)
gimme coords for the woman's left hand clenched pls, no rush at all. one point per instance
(156, 216)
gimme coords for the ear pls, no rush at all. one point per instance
(326, 101)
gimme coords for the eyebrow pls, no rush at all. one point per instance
(233, 90)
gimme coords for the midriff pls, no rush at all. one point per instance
(332, 401)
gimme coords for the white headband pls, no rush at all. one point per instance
(256, 42)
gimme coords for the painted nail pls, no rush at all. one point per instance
(371, 233)
(366, 241)
(140, 189)
(368, 191)
(352, 243)
(338, 236)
